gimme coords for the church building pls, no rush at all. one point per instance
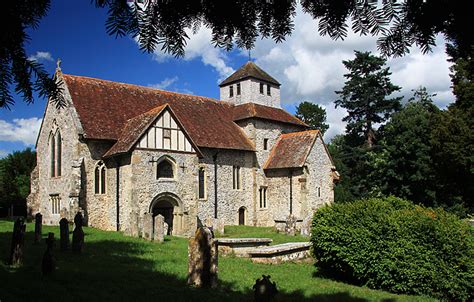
(117, 151)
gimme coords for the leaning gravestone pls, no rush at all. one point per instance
(38, 227)
(49, 263)
(64, 234)
(18, 240)
(147, 231)
(202, 259)
(78, 234)
(158, 232)
(264, 289)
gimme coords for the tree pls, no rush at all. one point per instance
(365, 93)
(16, 69)
(15, 170)
(165, 24)
(313, 115)
(405, 164)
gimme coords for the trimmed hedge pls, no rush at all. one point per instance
(394, 245)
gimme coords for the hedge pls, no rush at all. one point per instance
(394, 245)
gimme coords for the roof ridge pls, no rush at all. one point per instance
(300, 132)
(203, 98)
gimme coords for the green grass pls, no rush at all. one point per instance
(115, 267)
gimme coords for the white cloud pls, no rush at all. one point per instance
(21, 130)
(199, 47)
(41, 56)
(3, 153)
(167, 82)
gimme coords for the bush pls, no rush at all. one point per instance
(394, 245)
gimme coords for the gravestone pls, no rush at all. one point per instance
(202, 259)
(264, 289)
(147, 231)
(18, 240)
(306, 226)
(133, 228)
(78, 234)
(165, 228)
(49, 263)
(158, 234)
(38, 227)
(290, 226)
(64, 234)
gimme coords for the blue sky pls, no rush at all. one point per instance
(308, 66)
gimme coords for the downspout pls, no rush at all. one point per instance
(291, 191)
(117, 192)
(215, 184)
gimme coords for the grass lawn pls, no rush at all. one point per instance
(114, 267)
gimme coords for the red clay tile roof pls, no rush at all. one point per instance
(249, 70)
(105, 107)
(251, 110)
(291, 150)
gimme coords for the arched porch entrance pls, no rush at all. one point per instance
(170, 207)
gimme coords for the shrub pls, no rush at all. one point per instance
(394, 245)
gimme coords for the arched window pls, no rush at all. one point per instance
(202, 183)
(55, 150)
(100, 178)
(165, 169)
(52, 154)
(58, 153)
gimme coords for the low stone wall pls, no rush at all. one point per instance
(291, 251)
(240, 246)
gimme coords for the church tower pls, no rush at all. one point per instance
(250, 84)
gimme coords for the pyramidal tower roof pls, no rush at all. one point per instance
(249, 70)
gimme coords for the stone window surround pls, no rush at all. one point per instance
(237, 178)
(231, 91)
(55, 152)
(173, 165)
(205, 183)
(100, 188)
(55, 202)
(263, 202)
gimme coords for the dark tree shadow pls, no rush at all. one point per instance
(116, 271)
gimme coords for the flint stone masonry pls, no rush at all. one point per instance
(240, 246)
(291, 251)
(132, 187)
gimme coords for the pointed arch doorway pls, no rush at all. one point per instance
(242, 216)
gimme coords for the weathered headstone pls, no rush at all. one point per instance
(264, 289)
(158, 234)
(64, 234)
(38, 227)
(306, 225)
(147, 231)
(133, 227)
(18, 240)
(165, 228)
(202, 259)
(78, 234)
(49, 263)
(290, 227)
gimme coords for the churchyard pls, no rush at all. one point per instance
(116, 267)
